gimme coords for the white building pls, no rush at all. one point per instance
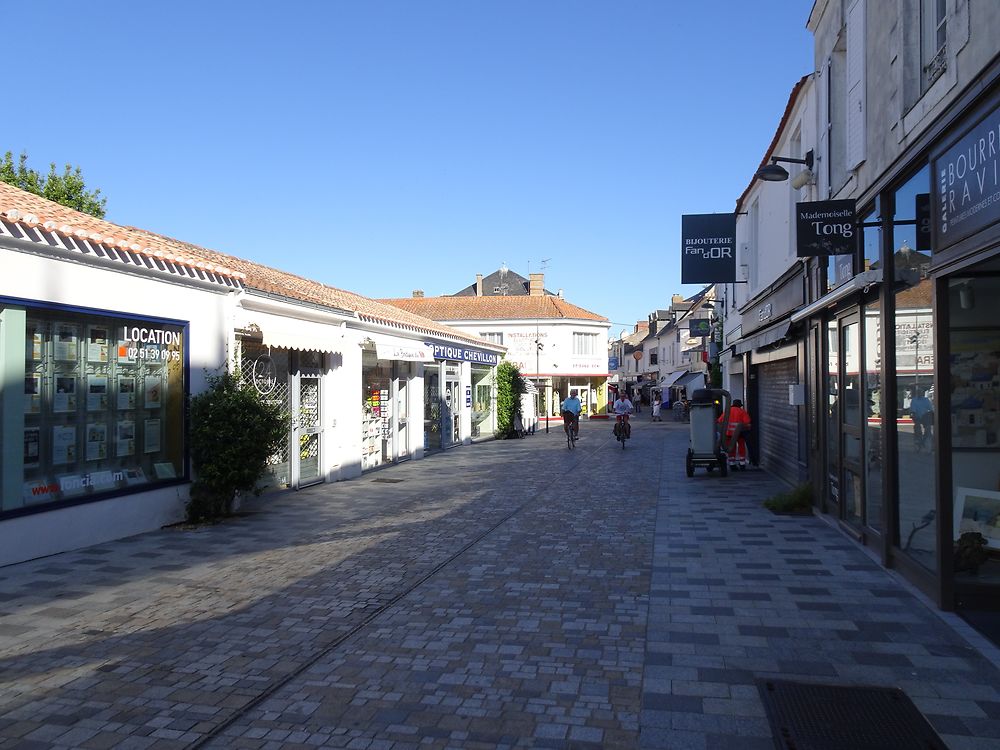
(110, 329)
(556, 345)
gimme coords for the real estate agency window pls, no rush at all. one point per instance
(103, 405)
(584, 344)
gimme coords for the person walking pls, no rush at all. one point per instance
(636, 401)
(656, 409)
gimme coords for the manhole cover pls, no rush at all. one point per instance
(807, 716)
(388, 481)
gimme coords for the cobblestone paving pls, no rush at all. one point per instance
(508, 594)
(163, 639)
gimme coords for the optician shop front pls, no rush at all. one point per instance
(459, 395)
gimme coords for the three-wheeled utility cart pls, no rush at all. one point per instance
(706, 447)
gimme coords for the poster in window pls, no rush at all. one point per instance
(97, 441)
(152, 391)
(97, 393)
(126, 392)
(66, 336)
(34, 341)
(151, 436)
(63, 445)
(32, 447)
(97, 344)
(65, 396)
(125, 438)
(32, 393)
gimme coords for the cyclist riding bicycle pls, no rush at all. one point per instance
(570, 410)
(622, 408)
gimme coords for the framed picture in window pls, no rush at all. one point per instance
(125, 438)
(97, 441)
(32, 447)
(63, 445)
(152, 391)
(978, 510)
(97, 343)
(97, 393)
(34, 340)
(126, 392)
(66, 338)
(32, 393)
(64, 399)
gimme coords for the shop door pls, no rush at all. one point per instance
(851, 428)
(402, 378)
(306, 429)
(831, 420)
(450, 427)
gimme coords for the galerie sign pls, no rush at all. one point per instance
(708, 248)
(826, 228)
(966, 181)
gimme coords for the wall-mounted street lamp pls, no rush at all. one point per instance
(773, 172)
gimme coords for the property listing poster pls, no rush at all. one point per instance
(63, 445)
(67, 340)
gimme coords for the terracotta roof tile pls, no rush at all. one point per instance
(17, 204)
(493, 308)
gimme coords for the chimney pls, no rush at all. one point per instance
(479, 285)
(676, 299)
(536, 284)
(418, 293)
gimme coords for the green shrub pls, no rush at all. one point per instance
(510, 386)
(233, 434)
(797, 499)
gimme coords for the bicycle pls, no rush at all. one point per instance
(571, 426)
(623, 430)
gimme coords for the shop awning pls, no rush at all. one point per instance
(530, 387)
(304, 335)
(861, 282)
(690, 378)
(768, 336)
(668, 380)
(404, 351)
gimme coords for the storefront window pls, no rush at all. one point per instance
(267, 370)
(483, 411)
(103, 405)
(873, 417)
(915, 396)
(432, 407)
(376, 405)
(832, 414)
(975, 419)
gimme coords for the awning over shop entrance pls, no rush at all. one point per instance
(404, 351)
(698, 378)
(303, 335)
(668, 380)
(768, 336)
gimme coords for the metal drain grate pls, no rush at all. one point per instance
(807, 716)
(388, 481)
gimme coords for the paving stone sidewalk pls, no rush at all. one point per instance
(507, 594)
(740, 594)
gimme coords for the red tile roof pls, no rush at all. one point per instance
(28, 209)
(493, 308)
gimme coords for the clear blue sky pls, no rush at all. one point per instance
(385, 146)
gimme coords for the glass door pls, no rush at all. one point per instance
(831, 419)
(852, 470)
(307, 433)
(401, 384)
(450, 409)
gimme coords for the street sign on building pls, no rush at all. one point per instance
(708, 248)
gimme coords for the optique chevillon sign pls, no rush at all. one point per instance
(708, 248)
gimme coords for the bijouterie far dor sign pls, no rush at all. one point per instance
(826, 228)
(708, 248)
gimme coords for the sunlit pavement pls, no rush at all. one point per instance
(507, 594)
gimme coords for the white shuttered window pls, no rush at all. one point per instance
(856, 84)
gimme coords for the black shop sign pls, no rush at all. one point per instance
(966, 184)
(708, 248)
(826, 228)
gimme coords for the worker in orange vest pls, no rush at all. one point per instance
(739, 425)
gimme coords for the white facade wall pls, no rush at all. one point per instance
(37, 278)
